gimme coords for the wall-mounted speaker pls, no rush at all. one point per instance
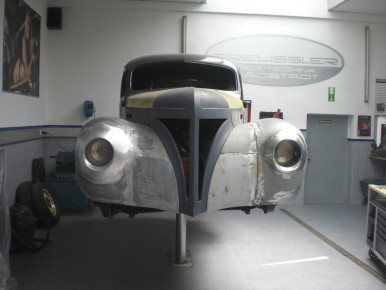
(380, 107)
(54, 18)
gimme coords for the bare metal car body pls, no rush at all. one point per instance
(182, 144)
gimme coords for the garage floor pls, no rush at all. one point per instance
(230, 250)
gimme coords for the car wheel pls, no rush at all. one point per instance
(44, 204)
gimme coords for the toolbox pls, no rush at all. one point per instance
(376, 222)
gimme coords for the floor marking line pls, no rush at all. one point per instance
(297, 261)
(336, 246)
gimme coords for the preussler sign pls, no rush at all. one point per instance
(278, 60)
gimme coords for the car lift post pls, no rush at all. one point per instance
(180, 258)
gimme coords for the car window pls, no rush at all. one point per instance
(183, 74)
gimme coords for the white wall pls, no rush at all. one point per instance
(296, 102)
(18, 110)
(87, 57)
(85, 60)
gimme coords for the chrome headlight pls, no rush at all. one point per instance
(99, 152)
(287, 153)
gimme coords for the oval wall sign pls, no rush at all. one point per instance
(278, 60)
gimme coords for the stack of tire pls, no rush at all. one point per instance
(35, 195)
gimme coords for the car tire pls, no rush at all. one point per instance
(44, 204)
(24, 195)
(38, 170)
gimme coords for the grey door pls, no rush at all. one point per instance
(325, 180)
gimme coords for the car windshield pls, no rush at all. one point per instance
(183, 74)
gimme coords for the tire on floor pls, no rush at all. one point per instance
(24, 195)
(38, 170)
(44, 204)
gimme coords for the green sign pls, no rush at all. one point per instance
(331, 94)
(325, 122)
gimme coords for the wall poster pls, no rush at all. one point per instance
(21, 48)
(364, 125)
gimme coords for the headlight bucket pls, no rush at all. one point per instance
(120, 162)
(287, 153)
(99, 152)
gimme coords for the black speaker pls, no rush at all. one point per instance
(54, 18)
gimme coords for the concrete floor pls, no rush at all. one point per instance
(229, 250)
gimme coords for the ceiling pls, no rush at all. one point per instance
(353, 6)
(358, 6)
(376, 7)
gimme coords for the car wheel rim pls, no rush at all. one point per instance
(49, 202)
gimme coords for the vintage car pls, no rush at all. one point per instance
(182, 144)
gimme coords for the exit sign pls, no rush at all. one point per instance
(325, 122)
(331, 94)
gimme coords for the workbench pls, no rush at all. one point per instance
(376, 222)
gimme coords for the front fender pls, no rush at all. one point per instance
(246, 173)
(140, 172)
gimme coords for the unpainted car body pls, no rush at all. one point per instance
(182, 144)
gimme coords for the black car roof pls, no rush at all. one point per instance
(162, 58)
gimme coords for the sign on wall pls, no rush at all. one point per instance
(331, 94)
(21, 48)
(278, 60)
(364, 126)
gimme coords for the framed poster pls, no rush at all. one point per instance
(364, 126)
(21, 48)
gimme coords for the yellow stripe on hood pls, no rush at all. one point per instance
(144, 100)
(233, 102)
